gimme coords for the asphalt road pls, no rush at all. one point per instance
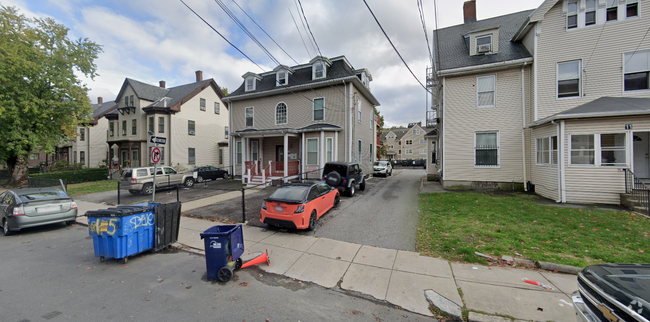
(385, 215)
(51, 274)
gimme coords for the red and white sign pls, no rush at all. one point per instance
(155, 155)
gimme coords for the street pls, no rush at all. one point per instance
(51, 273)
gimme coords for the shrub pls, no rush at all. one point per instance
(75, 176)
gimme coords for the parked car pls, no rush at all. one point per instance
(140, 180)
(23, 208)
(209, 172)
(613, 292)
(299, 205)
(346, 176)
(382, 168)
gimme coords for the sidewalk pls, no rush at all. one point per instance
(398, 277)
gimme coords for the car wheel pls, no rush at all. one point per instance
(147, 189)
(350, 190)
(333, 179)
(337, 200)
(5, 227)
(362, 186)
(225, 176)
(312, 221)
(390, 173)
(199, 179)
(70, 222)
(189, 182)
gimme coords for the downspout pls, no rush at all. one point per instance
(231, 147)
(523, 130)
(561, 162)
(442, 129)
(345, 121)
(350, 116)
(169, 138)
(538, 31)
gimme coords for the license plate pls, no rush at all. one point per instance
(278, 208)
(48, 209)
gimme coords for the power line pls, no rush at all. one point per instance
(264, 31)
(309, 28)
(424, 27)
(224, 38)
(303, 40)
(391, 43)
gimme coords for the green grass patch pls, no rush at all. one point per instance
(90, 187)
(455, 225)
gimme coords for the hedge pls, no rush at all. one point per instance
(3, 172)
(75, 176)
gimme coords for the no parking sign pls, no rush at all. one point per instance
(155, 155)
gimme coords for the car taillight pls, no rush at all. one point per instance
(73, 205)
(300, 209)
(134, 180)
(345, 181)
(19, 210)
(264, 205)
(323, 177)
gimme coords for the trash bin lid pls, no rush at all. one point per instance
(219, 230)
(119, 211)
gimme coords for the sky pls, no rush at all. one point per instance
(153, 40)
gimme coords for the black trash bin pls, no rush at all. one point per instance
(224, 244)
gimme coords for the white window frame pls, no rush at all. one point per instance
(314, 70)
(190, 161)
(217, 108)
(359, 105)
(434, 147)
(638, 10)
(408, 151)
(498, 165)
(249, 84)
(238, 153)
(226, 130)
(573, 13)
(314, 109)
(494, 91)
(595, 150)
(595, 11)
(598, 150)
(408, 142)
(482, 37)
(308, 152)
(416, 131)
(371, 119)
(539, 150)
(252, 108)
(615, 5)
(614, 148)
(286, 114)
(281, 80)
(626, 58)
(202, 104)
(329, 149)
(423, 141)
(423, 151)
(557, 79)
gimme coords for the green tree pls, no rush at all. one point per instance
(41, 99)
(381, 118)
(224, 90)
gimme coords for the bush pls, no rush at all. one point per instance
(75, 176)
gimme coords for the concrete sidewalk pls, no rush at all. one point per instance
(398, 277)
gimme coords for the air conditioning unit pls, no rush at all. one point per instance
(485, 48)
(191, 132)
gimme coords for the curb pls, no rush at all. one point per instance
(560, 268)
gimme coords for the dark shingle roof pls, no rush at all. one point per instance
(454, 53)
(603, 107)
(146, 91)
(176, 94)
(100, 108)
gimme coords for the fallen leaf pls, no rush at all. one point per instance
(189, 287)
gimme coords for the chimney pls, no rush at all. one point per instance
(199, 75)
(162, 84)
(100, 100)
(469, 11)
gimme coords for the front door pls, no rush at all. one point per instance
(135, 162)
(641, 150)
(279, 157)
(255, 154)
(125, 158)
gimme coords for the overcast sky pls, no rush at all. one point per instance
(153, 40)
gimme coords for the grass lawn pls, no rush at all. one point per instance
(90, 187)
(455, 225)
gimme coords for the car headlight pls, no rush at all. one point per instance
(300, 209)
(264, 205)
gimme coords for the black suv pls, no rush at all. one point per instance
(345, 176)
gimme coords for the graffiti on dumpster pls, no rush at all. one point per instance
(100, 227)
(138, 221)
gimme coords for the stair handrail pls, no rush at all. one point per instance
(637, 188)
(267, 171)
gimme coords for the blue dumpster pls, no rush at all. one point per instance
(224, 244)
(121, 231)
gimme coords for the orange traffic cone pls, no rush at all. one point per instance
(258, 260)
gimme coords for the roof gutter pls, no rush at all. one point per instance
(485, 68)
(586, 115)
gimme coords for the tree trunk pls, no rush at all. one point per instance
(19, 172)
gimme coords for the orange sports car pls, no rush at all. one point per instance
(299, 205)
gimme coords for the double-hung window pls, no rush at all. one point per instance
(612, 149)
(568, 79)
(202, 104)
(583, 149)
(328, 150)
(249, 116)
(151, 124)
(123, 127)
(281, 78)
(319, 109)
(239, 152)
(612, 10)
(191, 127)
(547, 150)
(82, 134)
(423, 151)
(409, 151)
(636, 69)
(572, 15)
(161, 124)
(486, 149)
(280, 114)
(226, 131)
(217, 108)
(82, 157)
(191, 156)
(590, 12)
(312, 151)
(134, 126)
(485, 90)
(409, 142)
(250, 84)
(318, 70)
(111, 129)
(632, 8)
(359, 111)
(416, 131)
(483, 44)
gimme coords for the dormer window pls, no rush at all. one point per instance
(318, 70)
(483, 44)
(281, 78)
(250, 84)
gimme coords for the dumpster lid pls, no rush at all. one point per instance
(119, 211)
(220, 230)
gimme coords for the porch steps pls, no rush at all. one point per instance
(630, 202)
(258, 181)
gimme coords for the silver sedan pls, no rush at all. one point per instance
(23, 208)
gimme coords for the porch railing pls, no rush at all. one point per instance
(639, 190)
(266, 172)
(252, 166)
(277, 168)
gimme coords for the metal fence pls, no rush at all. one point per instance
(637, 189)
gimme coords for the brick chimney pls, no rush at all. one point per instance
(199, 75)
(469, 11)
(162, 84)
(100, 100)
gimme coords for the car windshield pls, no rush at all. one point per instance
(341, 169)
(43, 195)
(381, 163)
(127, 174)
(290, 193)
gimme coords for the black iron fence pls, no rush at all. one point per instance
(639, 190)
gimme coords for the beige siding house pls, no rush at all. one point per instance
(191, 117)
(562, 100)
(413, 142)
(293, 120)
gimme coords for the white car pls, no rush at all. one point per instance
(382, 168)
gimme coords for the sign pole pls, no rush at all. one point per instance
(155, 156)
(155, 170)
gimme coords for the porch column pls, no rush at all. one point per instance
(260, 152)
(286, 155)
(244, 143)
(336, 146)
(302, 155)
(130, 157)
(322, 154)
